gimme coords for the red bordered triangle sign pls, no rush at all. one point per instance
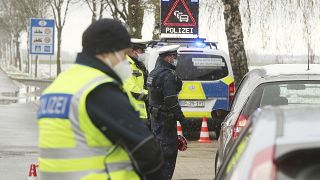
(166, 20)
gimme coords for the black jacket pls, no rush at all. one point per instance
(111, 112)
(164, 86)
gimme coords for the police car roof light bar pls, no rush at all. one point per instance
(183, 40)
(197, 41)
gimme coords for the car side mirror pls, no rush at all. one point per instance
(136, 73)
(219, 113)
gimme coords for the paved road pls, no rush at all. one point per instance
(197, 162)
(18, 142)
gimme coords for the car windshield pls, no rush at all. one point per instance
(201, 67)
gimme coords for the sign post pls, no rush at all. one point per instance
(179, 17)
(50, 67)
(42, 37)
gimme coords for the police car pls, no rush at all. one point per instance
(207, 76)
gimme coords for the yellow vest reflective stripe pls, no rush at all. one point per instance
(71, 147)
(61, 153)
(136, 85)
(70, 175)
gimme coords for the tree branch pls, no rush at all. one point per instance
(54, 14)
(88, 3)
(125, 10)
(65, 12)
(101, 9)
(118, 11)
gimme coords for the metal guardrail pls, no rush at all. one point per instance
(31, 81)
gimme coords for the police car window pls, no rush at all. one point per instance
(197, 67)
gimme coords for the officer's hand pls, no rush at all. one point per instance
(181, 117)
(182, 120)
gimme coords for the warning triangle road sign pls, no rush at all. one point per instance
(183, 19)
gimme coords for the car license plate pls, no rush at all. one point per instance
(192, 103)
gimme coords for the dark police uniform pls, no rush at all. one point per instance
(164, 85)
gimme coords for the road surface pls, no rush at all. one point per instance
(197, 162)
(18, 143)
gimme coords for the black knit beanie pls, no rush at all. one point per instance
(105, 35)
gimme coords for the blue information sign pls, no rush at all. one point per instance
(42, 36)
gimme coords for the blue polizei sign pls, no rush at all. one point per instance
(42, 36)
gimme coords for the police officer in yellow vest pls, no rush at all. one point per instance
(87, 127)
(136, 83)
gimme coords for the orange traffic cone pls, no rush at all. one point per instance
(179, 128)
(33, 172)
(204, 134)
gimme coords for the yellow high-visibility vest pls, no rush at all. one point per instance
(135, 84)
(71, 147)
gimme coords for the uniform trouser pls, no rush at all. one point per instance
(165, 132)
(169, 166)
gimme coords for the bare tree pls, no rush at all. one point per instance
(308, 14)
(129, 11)
(4, 43)
(5, 37)
(14, 22)
(233, 28)
(60, 10)
(97, 8)
(154, 7)
(135, 17)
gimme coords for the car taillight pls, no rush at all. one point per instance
(239, 125)
(232, 90)
(264, 166)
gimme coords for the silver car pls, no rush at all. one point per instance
(279, 84)
(280, 143)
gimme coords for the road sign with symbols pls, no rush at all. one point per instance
(42, 36)
(179, 16)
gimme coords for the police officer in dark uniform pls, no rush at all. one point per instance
(164, 86)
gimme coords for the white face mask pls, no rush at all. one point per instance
(141, 57)
(175, 62)
(122, 69)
